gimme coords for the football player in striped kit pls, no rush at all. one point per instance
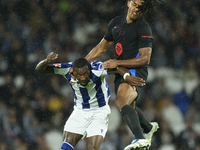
(91, 112)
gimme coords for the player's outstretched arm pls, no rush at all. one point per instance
(43, 66)
(98, 50)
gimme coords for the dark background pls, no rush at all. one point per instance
(34, 107)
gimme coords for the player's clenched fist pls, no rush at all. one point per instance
(51, 56)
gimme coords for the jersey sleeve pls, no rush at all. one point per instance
(109, 36)
(61, 68)
(97, 68)
(145, 35)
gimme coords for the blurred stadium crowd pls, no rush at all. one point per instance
(34, 107)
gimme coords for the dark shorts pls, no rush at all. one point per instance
(119, 80)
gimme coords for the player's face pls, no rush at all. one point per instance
(82, 75)
(133, 10)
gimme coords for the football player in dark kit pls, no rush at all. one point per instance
(132, 38)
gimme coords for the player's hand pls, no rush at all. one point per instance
(135, 81)
(71, 73)
(112, 63)
(51, 56)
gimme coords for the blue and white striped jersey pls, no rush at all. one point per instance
(95, 94)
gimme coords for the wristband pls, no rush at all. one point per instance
(126, 74)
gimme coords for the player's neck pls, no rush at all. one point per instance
(128, 20)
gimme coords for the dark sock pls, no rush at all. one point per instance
(132, 120)
(145, 124)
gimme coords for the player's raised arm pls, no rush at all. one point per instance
(43, 66)
(98, 50)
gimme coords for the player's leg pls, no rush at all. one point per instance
(145, 124)
(70, 140)
(125, 96)
(74, 129)
(98, 127)
(148, 127)
(94, 142)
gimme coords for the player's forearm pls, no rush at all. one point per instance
(95, 53)
(41, 66)
(142, 60)
(118, 70)
(122, 70)
(135, 62)
(98, 50)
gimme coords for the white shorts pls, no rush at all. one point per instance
(89, 122)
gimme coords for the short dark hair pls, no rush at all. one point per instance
(80, 63)
(148, 6)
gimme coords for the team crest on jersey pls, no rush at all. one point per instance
(57, 65)
(118, 49)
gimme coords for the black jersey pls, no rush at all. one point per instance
(128, 39)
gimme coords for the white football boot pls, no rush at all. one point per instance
(149, 135)
(136, 144)
(154, 129)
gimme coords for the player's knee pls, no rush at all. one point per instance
(66, 146)
(119, 103)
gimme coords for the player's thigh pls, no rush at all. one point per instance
(126, 94)
(99, 122)
(94, 142)
(98, 127)
(75, 126)
(71, 138)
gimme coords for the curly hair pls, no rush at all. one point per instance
(148, 6)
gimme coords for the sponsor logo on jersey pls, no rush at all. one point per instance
(57, 65)
(118, 48)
